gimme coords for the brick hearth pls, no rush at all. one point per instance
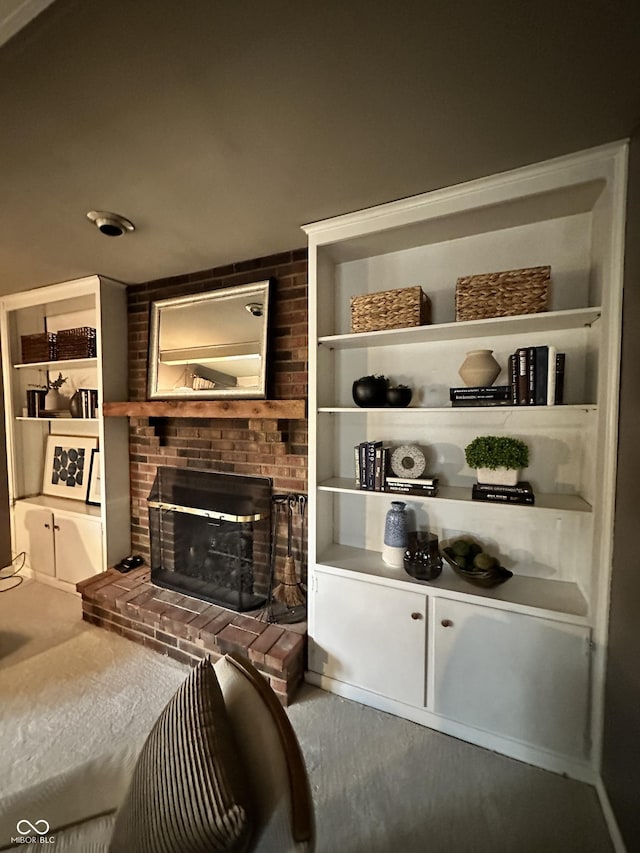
(187, 629)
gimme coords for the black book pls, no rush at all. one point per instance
(523, 487)
(471, 402)
(429, 492)
(542, 370)
(501, 497)
(531, 376)
(482, 391)
(522, 356)
(363, 464)
(513, 378)
(370, 465)
(559, 395)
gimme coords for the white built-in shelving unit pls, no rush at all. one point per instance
(520, 667)
(65, 540)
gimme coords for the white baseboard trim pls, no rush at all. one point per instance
(610, 818)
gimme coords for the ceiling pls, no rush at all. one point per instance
(219, 128)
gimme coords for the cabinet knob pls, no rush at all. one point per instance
(416, 615)
(56, 527)
(447, 623)
(48, 526)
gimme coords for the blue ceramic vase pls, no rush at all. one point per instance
(396, 535)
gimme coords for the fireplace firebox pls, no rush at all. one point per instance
(210, 535)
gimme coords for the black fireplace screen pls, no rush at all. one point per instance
(210, 535)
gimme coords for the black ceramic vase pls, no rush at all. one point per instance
(75, 405)
(370, 391)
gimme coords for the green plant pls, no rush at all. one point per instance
(496, 451)
(56, 384)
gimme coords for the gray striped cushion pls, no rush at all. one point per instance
(187, 794)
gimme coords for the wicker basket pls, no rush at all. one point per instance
(38, 347)
(390, 309)
(76, 343)
(503, 294)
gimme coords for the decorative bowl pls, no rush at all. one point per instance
(370, 391)
(479, 577)
(399, 395)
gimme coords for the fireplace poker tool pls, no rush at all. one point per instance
(278, 609)
(289, 591)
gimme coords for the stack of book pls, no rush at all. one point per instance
(424, 486)
(371, 460)
(537, 376)
(88, 402)
(521, 493)
(481, 395)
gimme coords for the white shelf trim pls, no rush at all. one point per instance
(521, 324)
(577, 407)
(68, 363)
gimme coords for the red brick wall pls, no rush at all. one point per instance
(268, 447)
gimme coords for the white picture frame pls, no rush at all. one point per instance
(93, 488)
(66, 466)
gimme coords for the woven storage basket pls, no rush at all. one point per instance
(76, 343)
(38, 347)
(503, 294)
(390, 309)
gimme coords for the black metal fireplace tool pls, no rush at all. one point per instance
(286, 600)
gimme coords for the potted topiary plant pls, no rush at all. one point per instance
(497, 458)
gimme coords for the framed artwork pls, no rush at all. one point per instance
(66, 466)
(93, 489)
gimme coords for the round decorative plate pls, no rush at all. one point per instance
(408, 461)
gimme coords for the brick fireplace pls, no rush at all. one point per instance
(167, 621)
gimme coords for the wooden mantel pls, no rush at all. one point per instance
(281, 409)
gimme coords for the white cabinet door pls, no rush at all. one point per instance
(516, 675)
(34, 536)
(78, 548)
(370, 636)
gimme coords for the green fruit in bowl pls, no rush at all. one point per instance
(474, 549)
(483, 562)
(461, 548)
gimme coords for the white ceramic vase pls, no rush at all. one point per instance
(498, 476)
(54, 400)
(479, 368)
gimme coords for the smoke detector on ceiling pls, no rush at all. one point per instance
(110, 224)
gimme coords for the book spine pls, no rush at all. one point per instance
(523, 375)
(494, 390)
(513, 378)
(559, 390)
(542, 369)
(371, 465)
(377, 477)
(406, 490)
(489, 394)
(356, 461)
(385, 466)
(495, 497)
(415, 481)
(521, 489)
(492, 402)
(363, 464)
(531, 376)
(551, 377)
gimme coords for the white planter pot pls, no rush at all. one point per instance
(498, 476)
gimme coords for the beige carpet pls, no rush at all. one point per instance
(380, 784)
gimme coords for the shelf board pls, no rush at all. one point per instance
(66, 420)
(411, 410)
(63, 505)
(548, 321)
(521, 593)
(547, 501)
(68, 363)
(281, 409)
